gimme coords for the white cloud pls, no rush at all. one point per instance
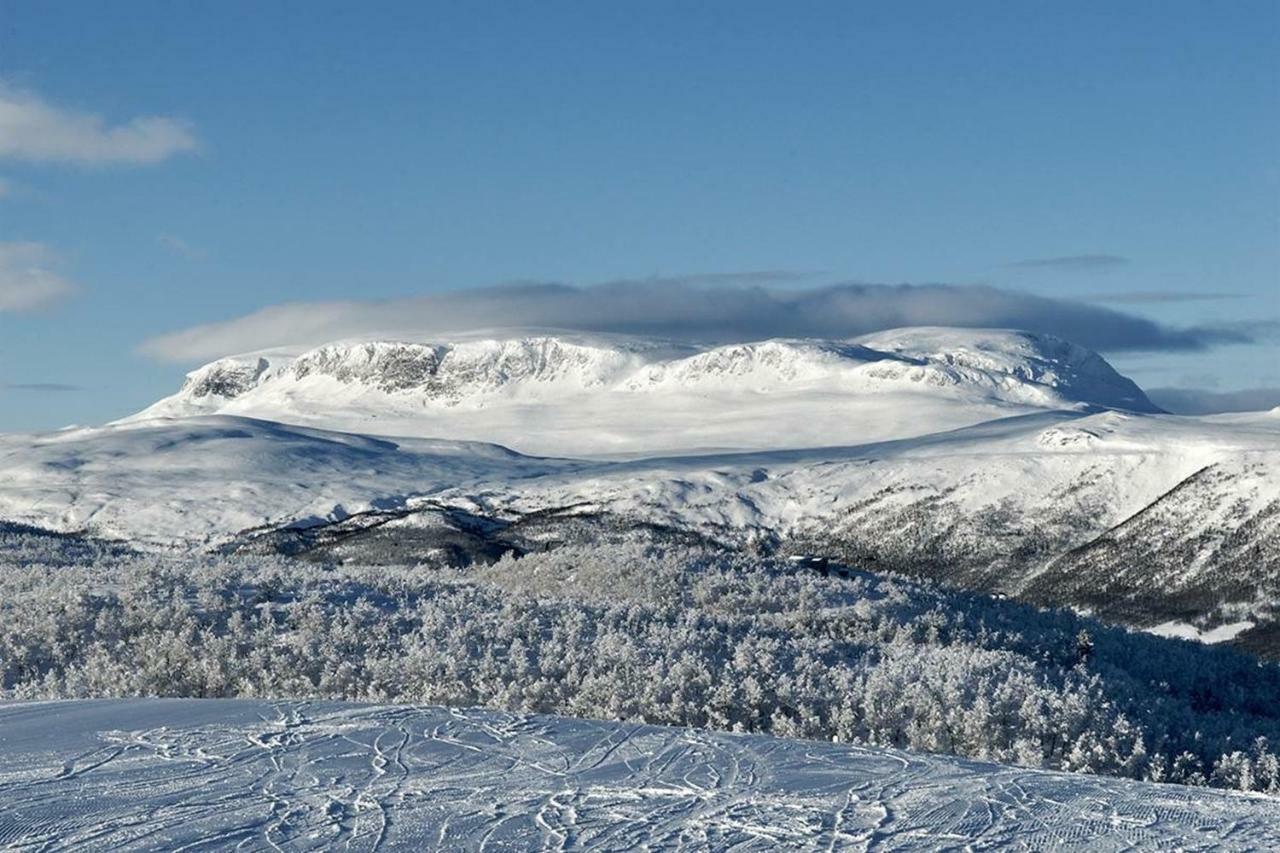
(27, 280)
(692, 308)
(34, 130)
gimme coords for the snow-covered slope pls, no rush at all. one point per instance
(165, 774)
(1136, 516)
(1144, 518)
(575, 396)
(205, 478)
(997, 460)
(215, 476)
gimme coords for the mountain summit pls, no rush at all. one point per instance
(570, 395)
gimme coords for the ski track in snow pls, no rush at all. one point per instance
(252, 775)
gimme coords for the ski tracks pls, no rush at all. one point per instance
(328, 776)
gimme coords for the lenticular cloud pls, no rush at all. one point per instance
(703, 309)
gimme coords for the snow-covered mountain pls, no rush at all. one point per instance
(1001, 461)
(574, 396)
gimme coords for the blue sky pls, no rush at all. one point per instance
(174, 165)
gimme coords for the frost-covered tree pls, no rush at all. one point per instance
(637, 632)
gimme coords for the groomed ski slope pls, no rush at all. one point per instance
(251, 775)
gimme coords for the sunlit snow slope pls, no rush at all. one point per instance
(165, 774)
(196, 479)
(571, 396)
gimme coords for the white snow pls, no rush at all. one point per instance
(185, 774)
(810, 435)
(574, 396)
(1221, 634)
(204, 479)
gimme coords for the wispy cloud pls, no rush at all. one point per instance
(34, 130)
(1073, 263)
(687, 309)
(42, 387)
(733, 279)
(1147, 297)
(27, 278)
(1204, 401)
(181, 247)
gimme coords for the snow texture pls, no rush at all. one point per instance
(191, 774)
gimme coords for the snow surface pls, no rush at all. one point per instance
(1185, 631)
(187, 774)
(574, 396)
(203, 479)
(1029, 464)
(200, 478)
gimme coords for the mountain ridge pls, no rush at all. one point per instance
(577, 395)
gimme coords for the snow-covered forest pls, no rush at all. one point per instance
(640, 632)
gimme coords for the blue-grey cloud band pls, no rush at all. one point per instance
(1203, 401)
(39, 387)
(1072, 263)
(690, 309)
(1158, 297)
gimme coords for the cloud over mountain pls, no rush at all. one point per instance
(696, 308)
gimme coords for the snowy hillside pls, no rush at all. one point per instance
(216, 476)
(162, 774)
(1144, 519)
(999, 461)
(575, 396)
(1147, 519)
(205, 478)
